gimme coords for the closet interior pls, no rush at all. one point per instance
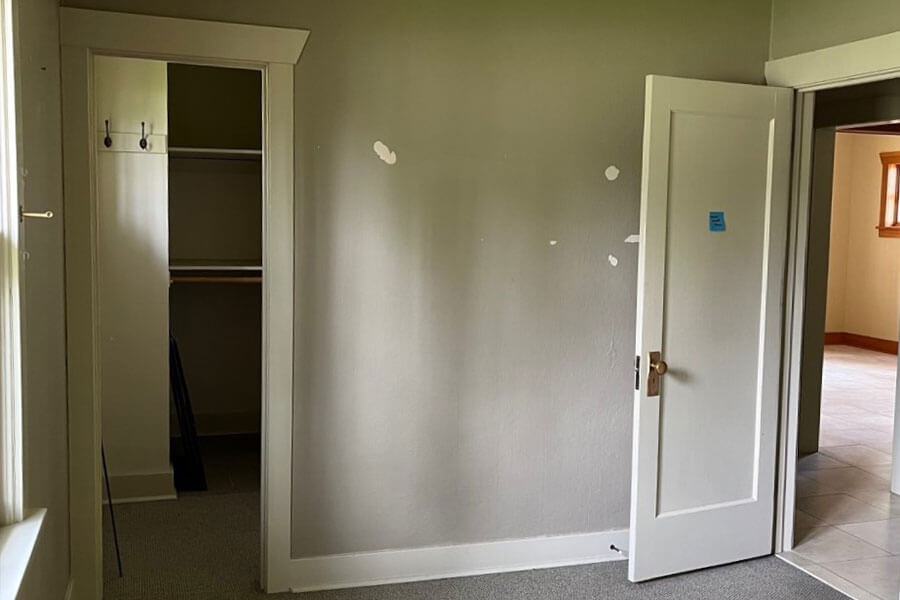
(179, 258)
(215, 268)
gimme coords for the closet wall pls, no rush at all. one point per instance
(132, 231)
(215, 234)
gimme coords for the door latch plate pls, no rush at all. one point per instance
(653, 375)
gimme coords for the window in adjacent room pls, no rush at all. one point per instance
(889, 224)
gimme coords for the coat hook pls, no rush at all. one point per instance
(107, 141)
(143, 142)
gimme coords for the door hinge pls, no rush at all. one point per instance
(637, 372)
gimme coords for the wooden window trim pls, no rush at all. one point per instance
(889, 160)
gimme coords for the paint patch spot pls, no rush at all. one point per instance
(553, 242)
(613, 260)
(384, 153)
(612, 172)
(634, 238)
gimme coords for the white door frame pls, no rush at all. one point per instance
(274, 51)
(865, 61)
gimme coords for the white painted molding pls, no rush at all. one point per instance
(438, 562)
(142, 487)
(142, 499)
(864, 61)
(278, 339)
(11, 187)
(17, 543)
(165, 36)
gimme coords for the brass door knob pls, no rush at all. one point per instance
(659, 366)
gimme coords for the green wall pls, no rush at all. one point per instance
(460, 378)
(46, 458)
(804, 25)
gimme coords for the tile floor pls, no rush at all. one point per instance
(847, 524)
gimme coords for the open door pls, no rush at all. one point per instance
(714, 213)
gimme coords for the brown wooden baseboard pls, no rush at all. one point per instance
(834, 338)
(860, 341)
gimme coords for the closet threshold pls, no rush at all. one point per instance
(217, 153)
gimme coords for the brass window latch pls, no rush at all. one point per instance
(23, 214)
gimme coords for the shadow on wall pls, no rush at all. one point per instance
(452, 389)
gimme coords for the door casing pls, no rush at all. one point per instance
(865, 61)
(274, 51)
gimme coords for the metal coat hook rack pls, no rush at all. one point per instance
(107, 141)
(143, 142)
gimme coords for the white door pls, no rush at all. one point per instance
(714, 211)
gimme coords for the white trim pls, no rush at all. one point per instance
(17, 542)
(11, 467)
(272, 50)
(867, 60)
(162, 37)
(137, 487)
(438, 562)
(795, 299)
(278, 326)
(142, 499)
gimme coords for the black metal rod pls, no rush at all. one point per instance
(112, 513)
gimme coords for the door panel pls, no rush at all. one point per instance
(713, 230)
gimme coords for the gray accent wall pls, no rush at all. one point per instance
(464, 340)
(816, 292)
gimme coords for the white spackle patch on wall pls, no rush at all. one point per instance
(553, 242)
(613, 260)
(384, 153)
(634, 238)
(612, 172)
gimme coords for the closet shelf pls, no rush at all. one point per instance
(227, 153)
(214, 265)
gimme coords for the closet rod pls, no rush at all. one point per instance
(213, 279)
(227, 153)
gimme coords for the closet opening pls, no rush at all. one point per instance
(215, 264)
(180, 222)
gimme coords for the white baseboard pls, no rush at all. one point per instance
(439, 562)
(142, 487)
(139, 499)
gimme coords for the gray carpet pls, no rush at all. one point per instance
(206, 547)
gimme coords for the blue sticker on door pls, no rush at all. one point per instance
(716, 221)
